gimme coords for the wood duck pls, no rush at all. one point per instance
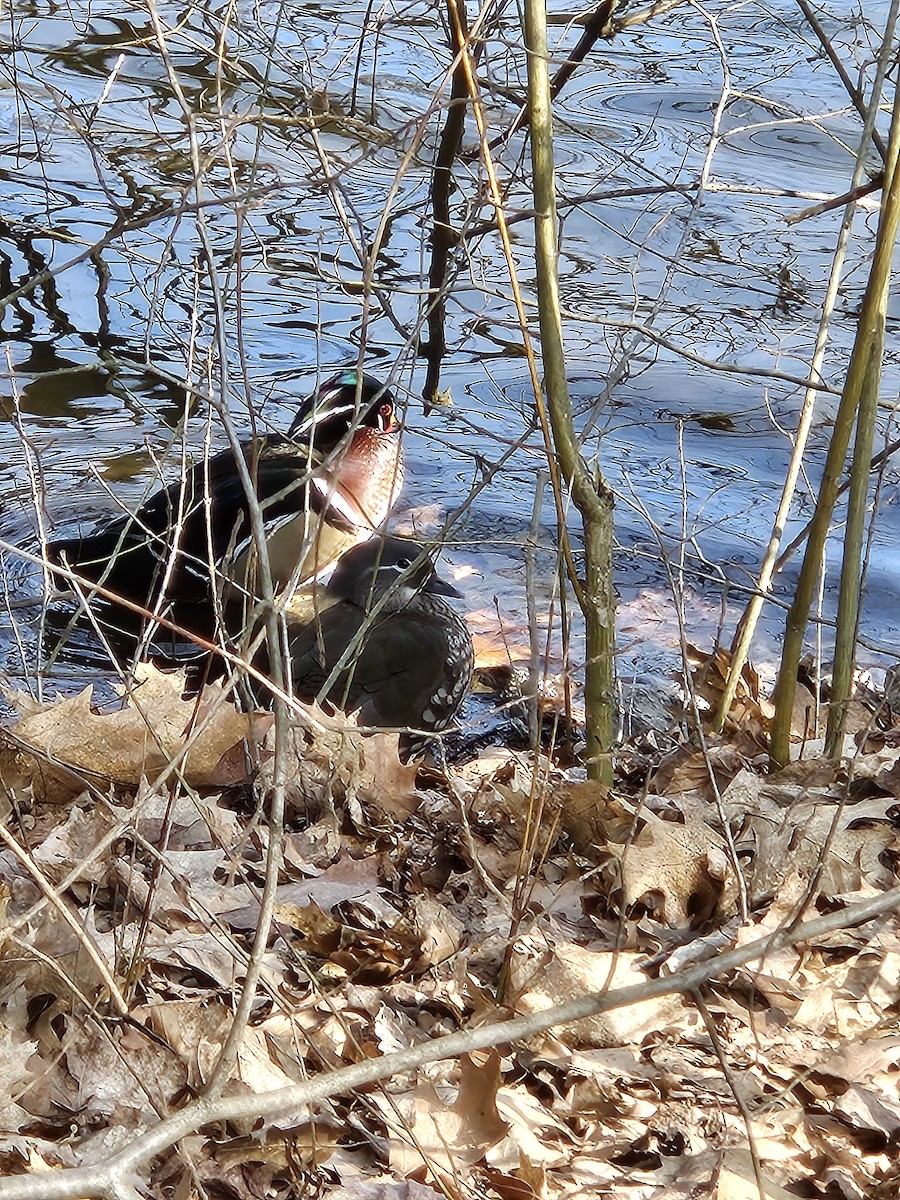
(327, 484)
(388, 647)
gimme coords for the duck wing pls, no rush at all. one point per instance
(397, 678)
(206, 514)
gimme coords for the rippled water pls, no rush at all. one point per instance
(92, 133)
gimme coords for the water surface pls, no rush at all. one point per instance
(230, 253)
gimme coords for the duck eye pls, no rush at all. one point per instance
(385, 415)
(403, 563)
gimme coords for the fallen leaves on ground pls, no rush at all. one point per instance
(410, 906)
(67, 739)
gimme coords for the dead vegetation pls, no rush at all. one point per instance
(252, 956)
(408, 910)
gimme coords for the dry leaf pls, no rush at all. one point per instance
(683, 864)
(738, 1181)
(541, 979)
(449, 1137)
(333, 761)
(154, 728)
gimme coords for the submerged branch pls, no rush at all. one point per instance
(443, 236)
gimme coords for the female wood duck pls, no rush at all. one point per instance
(389, 647)
(329, 483)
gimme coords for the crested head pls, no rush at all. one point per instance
(348, 400)
(393, 567)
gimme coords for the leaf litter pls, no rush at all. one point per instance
(413, 904)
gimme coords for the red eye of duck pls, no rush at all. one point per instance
(386, 420)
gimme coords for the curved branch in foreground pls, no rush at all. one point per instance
(116, 1179)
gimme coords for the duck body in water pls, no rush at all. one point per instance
(328, 483)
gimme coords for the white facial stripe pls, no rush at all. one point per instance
(321, 411)
(328, 410)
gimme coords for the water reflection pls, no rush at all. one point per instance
(326, 133)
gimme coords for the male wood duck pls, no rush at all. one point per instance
(327, 484)
(389, 647)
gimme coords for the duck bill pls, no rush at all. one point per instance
(440, 587)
